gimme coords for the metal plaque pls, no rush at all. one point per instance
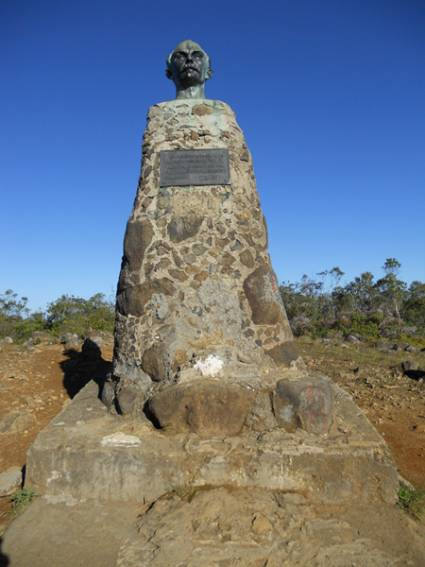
(194, 167)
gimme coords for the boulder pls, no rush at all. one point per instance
(70, 340)
(284, 353)
(205, 407)
(130, 394)
(352, 338)
(306, 403)
(41, 337)
(263, 297)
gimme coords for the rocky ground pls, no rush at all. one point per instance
(36, 381)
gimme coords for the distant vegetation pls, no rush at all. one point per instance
(365, 307)
(68, 314)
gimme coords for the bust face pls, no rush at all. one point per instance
(188, 65)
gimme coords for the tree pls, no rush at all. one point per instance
(360, 306)
(13, 306)
(391, 266)
(392, 289)
(13, 309)
(362, 293)
(413, 309)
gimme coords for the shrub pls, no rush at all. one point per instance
(70, 314)
(363, 326)
(22, 498)
(24, 328)
(412, 501)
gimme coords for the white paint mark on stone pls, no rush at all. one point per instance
(54, 476)
(210, 366)
(120, 440)
(287, 413)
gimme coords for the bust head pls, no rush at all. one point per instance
(188, 66)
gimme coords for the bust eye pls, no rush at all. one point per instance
(198, 54)
(179, 55)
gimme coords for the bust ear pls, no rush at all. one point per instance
(209, 72)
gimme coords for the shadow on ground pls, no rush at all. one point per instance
(81, 367)
(4, 560)
(415, 374)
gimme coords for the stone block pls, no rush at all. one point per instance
(137, 238)
(261, 416)
(181, 228)
(132, 300)
(305, 403)
(264, 301)
(10, 481)
(206, 407)
(284, 353)
(130, 395)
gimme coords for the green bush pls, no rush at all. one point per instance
(22, 498)
(70, 314)
(24, 328)
(412, 501)
(319, 331)
(363, 326)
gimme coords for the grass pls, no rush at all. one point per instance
(22, 498)
(412, 501)
(362, 353)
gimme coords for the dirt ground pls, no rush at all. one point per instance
(36, 382)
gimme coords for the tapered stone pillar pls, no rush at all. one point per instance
(196, 288)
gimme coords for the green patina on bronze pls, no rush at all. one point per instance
(188, 66)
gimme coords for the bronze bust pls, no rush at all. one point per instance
(188, 66)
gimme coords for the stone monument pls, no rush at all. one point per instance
(196, 291)
(219, 446)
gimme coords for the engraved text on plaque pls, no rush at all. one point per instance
(194, 167)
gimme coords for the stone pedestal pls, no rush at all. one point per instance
(196, 282)
(87, 453)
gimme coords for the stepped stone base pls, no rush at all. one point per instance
(87, 453)
(116, 492)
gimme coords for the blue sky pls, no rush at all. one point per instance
(330, 95)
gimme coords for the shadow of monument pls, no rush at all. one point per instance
(4, 560)
(81, 367)
(415, 374)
